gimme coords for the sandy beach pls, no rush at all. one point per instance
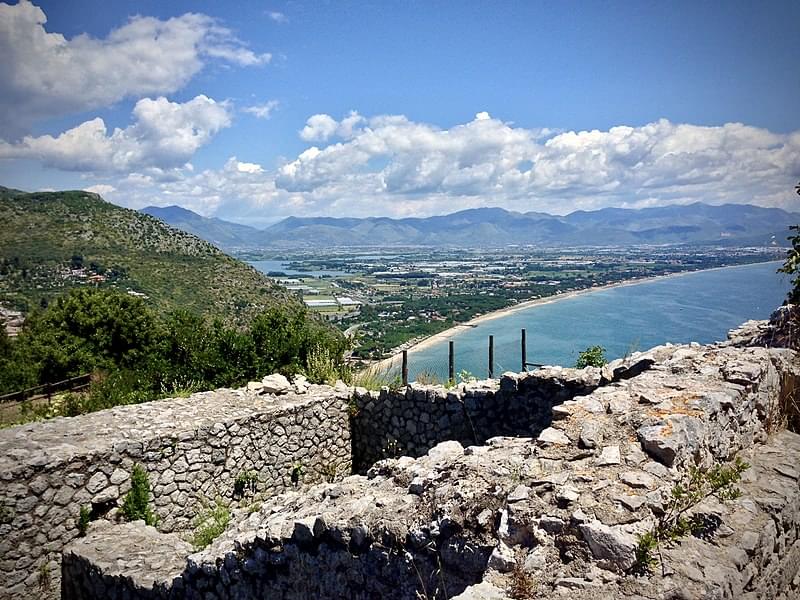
(416, 346)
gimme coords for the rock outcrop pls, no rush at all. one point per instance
(536, 485)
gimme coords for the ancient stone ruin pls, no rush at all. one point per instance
(539, 484)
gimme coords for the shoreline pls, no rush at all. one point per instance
(393, 361)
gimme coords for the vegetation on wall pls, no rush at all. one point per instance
(136, 505)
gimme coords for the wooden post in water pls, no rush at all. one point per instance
(451, 364)
(405, 367)
(491, 357)
(524, 353)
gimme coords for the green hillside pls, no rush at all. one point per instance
(53, 241)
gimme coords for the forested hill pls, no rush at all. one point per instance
(53, 241)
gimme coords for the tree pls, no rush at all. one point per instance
(86, 330)
(792, 264)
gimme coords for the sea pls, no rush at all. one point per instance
(700, 306)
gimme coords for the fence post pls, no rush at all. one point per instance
(405, 367)
(524, 353)
(491, 357)
(451, 366)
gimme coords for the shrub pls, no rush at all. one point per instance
(465, 376)
(593, 356)
(210, 523)
(136, 505)
(246, 481)
(83, 520)
(697, 485)
(324, 366)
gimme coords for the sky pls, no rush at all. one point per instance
(252, 111)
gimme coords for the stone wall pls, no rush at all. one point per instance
(192, 448)
(555, 514)
(412, 420)
(545, 476)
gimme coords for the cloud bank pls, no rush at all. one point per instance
(390, 165)
(45, 74)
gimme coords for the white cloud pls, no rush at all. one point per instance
(318, 128)
(277, 16)
(391, 158)
(390, 165)
(101, 189)
(164, 136)
(245, 167)
(45, 74)
(262, 111)
(322, 127)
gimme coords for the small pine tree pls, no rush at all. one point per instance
(792, 264)
(136, 505)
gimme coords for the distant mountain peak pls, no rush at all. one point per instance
(695, 223)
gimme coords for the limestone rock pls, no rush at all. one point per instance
(502, 558)
(300, 384)
(275, 384)
(552, 436)
(591, 434)
(664, 442)
(610, 544)
(521, 492)
(637, 479)
(609, 456)
(481, 591)
(255, 386)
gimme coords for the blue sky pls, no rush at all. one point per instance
(253, 111)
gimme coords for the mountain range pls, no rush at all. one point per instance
(698, 223)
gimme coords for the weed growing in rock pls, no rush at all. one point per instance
(83, 520)
(522, 586)
(391, 449)
(44, 578)
(465, 376)
(593, 356)
(136, 505)
(297, 473)
(373, 378)
(6, 515)
(698, 484)
(245, 482)
(330, 471)
(427, 377)
(323, 365)
(352, 407)
(210, 523)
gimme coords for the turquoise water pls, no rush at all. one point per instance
(700, 306)
(265, 266)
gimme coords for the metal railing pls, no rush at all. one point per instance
(451, 361)
(46, 390)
